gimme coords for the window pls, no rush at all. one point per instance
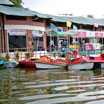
(17, 42)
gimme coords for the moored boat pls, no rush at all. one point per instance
(10, 64)
(78, 63)
(2, 62)
(27, 64)
(46, 62)
(81, 66)
(48, 66)
(98, 61)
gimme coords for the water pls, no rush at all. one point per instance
(25, 86)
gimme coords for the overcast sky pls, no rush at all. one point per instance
(75, 7)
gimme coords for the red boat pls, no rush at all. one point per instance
(77, 62)
(27, 64)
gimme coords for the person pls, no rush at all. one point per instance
(63, 51)
(51, 43)
(64, 43)
(82, 45)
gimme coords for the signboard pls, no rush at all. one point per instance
(81, 34)
(17, 32)
(99, 34)
(89, 34)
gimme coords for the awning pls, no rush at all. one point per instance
(62, 33)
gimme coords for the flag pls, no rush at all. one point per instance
(68, 23)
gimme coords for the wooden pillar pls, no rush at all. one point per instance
(29, 40)
(3, 35)
(6, 44)
(45, 41)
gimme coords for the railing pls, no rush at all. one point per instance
(17, 49)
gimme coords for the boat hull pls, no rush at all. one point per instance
(48, 66)
(27, 64)
(102, 65)
(11, 64)
(81, 66)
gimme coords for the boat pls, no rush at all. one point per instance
(78, 62)
(49, 66)
(27, 63)
(46, 62)
(2, 64)
(81, 66)
(10, 64)
(97, 60)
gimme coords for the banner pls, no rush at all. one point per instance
(89, 34)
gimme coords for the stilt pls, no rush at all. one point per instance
(66, 67)
(97, 65)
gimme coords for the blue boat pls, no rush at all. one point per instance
(2, 62)
(10, 64)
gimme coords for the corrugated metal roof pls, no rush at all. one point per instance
(87, 20)
(82, 20)
(41, 15)
(5, 2)
(57, 18)
(20, 11)
(78, 20)
(100, 22)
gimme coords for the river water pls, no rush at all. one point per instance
(25, 86)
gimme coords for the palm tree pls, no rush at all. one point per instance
(16, 2)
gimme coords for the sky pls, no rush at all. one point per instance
(60, 7)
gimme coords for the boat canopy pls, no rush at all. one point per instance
(66, 33)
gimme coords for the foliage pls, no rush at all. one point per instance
(17, 2)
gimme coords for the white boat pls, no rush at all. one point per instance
(81, 66)
(102, 65)
(49, 66)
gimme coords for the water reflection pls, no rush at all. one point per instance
(97, 72)
(25, 86)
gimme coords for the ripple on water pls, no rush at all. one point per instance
(96, 102)
(48, 86)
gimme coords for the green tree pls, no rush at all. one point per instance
(17, 2)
